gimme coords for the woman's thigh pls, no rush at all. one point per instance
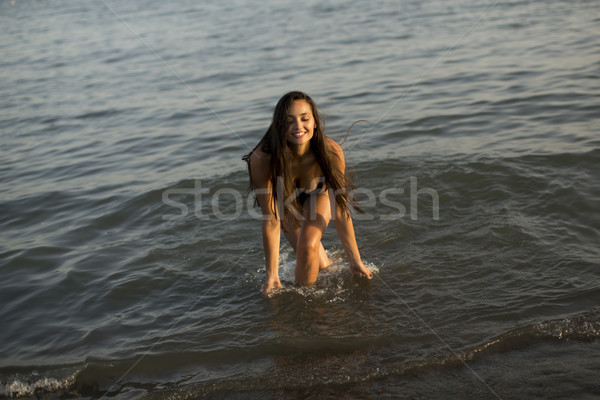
(317, 214)
(316, 218)
(291, 230)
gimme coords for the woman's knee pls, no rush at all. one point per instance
(307, 247)
(307, 263)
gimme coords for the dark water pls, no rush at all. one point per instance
(130, 256)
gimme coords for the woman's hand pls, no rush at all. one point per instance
(359, 269)
(270, 284)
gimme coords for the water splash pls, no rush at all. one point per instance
(37, 382)
(332, 283)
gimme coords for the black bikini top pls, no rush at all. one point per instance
(303, 196)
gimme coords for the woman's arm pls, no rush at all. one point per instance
(271, 237)
(345, 230)
(271, 227)
(343, 223)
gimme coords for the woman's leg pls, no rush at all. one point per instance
(292, 232)
(311, 256)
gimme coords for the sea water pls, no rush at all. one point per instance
(131, 258)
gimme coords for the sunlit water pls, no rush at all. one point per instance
(131, 259)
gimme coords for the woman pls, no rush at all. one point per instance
(298, 175)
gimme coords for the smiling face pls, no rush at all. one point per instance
(300, 123)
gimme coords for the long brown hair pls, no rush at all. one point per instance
(276, 145)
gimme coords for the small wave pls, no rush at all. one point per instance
(99, 114)
(37, 382)
(357, 367)
(583, 327)
(346, 368)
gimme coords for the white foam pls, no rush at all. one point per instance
(29, 384)
(332, 282)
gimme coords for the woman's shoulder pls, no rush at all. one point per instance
(334, 148)
(259, 157)
(260, 165)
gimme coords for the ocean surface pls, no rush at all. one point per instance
(131, 261)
